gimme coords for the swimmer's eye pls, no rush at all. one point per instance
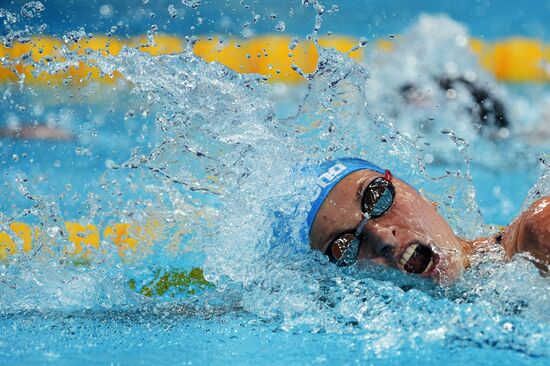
(378, 197)
(344, 249)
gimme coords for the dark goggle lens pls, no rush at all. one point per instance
(343, 251)
(378, 197)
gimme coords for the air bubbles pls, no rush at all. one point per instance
(256, 18)
(272, 16)
(280, 27)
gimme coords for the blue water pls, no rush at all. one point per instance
(368, 18)
(191, 121)
(151, 338)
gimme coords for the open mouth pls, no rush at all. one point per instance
(418, 258)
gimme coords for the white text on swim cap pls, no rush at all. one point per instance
(326, 178)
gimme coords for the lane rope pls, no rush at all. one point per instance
(516, 59)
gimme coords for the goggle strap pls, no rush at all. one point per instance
(388, 176)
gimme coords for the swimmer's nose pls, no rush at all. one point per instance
(381, 241)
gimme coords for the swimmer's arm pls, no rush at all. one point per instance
(530, 232)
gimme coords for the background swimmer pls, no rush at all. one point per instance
(362, 212)
(488, 114)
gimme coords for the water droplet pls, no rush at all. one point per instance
(32, 9)
(172, 11)
(130, 114)
(109, 164)
(52, 231)
(293, 43)
(106, 10)
(191, 3)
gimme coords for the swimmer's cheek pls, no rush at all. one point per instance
(530, 233)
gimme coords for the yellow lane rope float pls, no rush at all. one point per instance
(81, 241)
(510, 60)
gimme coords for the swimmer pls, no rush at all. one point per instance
(362, 212)
(487, 111)
(39, 132)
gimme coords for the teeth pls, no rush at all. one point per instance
(407, 254)
(429, 266)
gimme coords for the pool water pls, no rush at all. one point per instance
(204, 161)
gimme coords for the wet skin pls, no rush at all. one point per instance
(411, 219)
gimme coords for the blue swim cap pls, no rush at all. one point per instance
(329, 173)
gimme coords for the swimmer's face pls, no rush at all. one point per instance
(411, 236)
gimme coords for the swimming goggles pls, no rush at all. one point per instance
(377, 198)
